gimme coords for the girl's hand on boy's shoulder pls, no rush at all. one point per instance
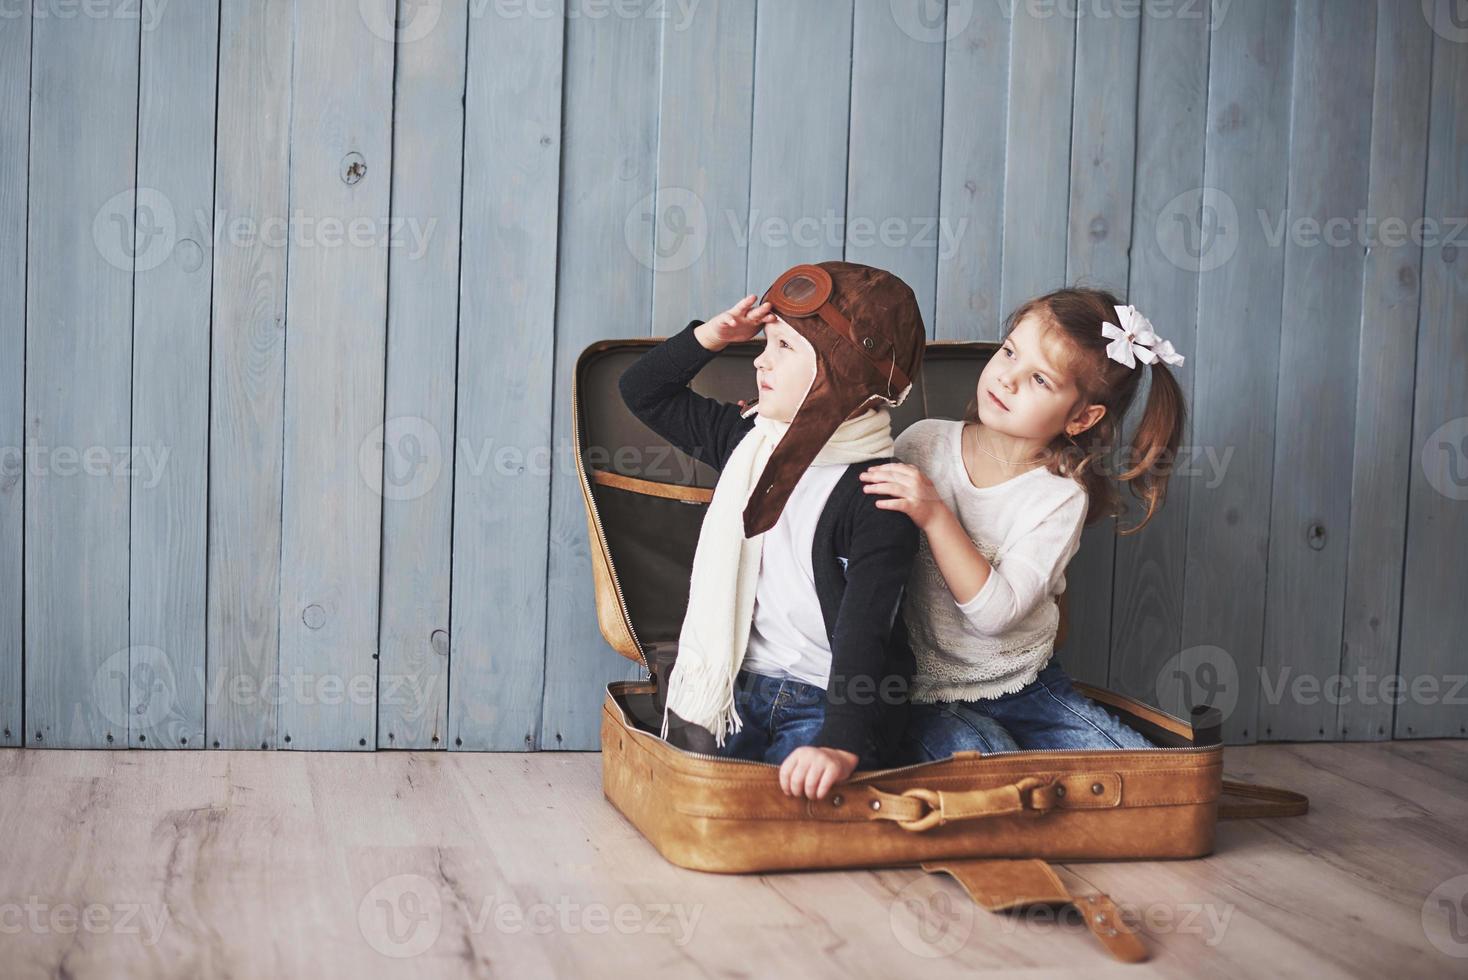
(812, 770)
(908, 487)
(738, 323)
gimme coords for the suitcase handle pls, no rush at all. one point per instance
(945, 806)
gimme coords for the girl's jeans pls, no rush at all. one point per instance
(777, 716)
(1046, 714)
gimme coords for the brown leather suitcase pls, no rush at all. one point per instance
(991, 821)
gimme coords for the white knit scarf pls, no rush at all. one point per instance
(715, 633)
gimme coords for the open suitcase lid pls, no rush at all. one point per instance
(645, 500)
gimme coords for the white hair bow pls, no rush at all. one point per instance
(1135, 339)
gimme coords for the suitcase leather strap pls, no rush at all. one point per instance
(1000, 884)
(919, 809)
(651, 488)
(1259, 801)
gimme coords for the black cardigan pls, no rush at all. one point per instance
(861, 557)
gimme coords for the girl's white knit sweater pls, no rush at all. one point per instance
(1028, 528)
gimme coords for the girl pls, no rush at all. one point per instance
(1001, 498)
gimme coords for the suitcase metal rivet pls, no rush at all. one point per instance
(876, 804)
(1097, 788)
(1060, 790)
(837, 800)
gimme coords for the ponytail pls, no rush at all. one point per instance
(1156, 442)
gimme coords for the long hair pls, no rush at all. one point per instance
(1074, 316)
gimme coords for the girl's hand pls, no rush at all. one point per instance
(738, 323)
(910, 489)
(811, 771)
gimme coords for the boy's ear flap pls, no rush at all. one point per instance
(828, 403)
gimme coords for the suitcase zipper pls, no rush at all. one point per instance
(916, 765)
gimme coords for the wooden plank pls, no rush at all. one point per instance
(1098, 245)
(336, 311)
(1037, 153)
(168, 604)
(971, 188)
(1434, 615)
(247, 372)
(1239, 301)
(15, 97)
(797, 183)
(1147, 590)
(422, 325)
(1309, 516)
(79, 295)
(507, 393)
(699, 212)
(609, 169)
(896, 146)
(1383, 452)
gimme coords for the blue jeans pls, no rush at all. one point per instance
(1048, 713)
(777, 716)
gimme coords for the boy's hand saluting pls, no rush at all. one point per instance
(738, 323)
(811, 771)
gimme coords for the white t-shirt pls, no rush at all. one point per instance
(787, 637)
(1028, 528)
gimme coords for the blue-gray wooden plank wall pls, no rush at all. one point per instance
(290, 295)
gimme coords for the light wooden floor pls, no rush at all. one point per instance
(365, 865)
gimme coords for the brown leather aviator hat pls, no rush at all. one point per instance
(868, 334)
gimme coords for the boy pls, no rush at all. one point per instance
(794, 642)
